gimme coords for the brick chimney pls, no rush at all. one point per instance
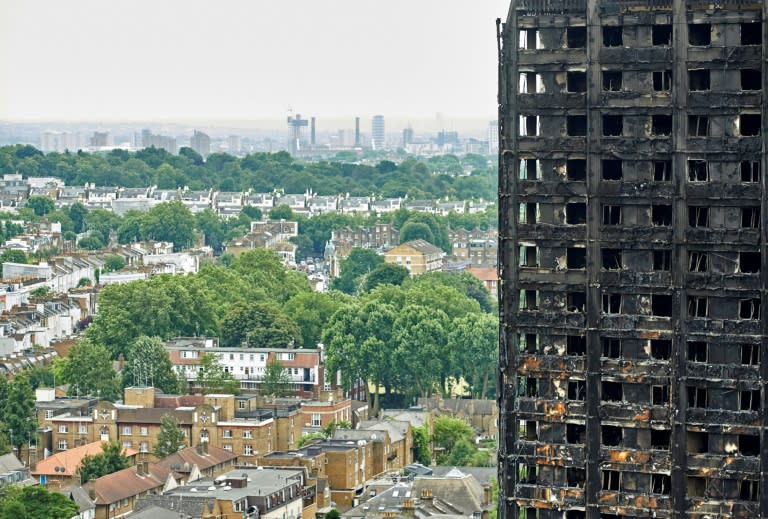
(487, 494)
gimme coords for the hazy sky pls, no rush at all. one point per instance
(247, 59)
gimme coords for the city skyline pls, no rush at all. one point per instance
(249, 62)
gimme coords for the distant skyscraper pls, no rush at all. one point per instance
(357, 132)
(101, 139)
(146, 138)
(407, 136)
(377, 132)
(233, 143)
(201, 143)
(445, 138)
(49, 141)
(493, 137)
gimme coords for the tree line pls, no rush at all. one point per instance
(433, 178)
(409, 336)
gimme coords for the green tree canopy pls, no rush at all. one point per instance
(18, 411)
(276, 382)
(213, 378)
(385, 274)
(421, 451)
(359, 263)
(416, 231)
(109, 460)
(34, 502)
(281, 212)
(88, 371)
(447, 431)
(148, 364)
(170, 439)
(359, 342)
(473, 341)
(77, 213)
(113, 262)
(163, 306)
(312, 311)
(41, 205)
(13, 256)
(259, 325)
(170, 221)
(421, 352)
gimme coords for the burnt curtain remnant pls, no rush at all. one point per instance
(632, 203)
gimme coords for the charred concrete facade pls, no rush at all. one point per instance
(634, 351)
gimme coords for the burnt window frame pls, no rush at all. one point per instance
(698, 261)
(697, 307)
(661, 125)
(661, 260)
(662, 80)
(610, 213)
(698, 125)
(750, 171)
(612, 347)
(698, 397)
(613, 80)
(611, 259)
(662, 170)
(611, 304)
(698, 170)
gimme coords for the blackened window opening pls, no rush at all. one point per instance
(661, 215)
(751, 33)
(613, 36)
(612, 169)
(662, 34)
(576, 37)
(699, 34)
(612, 80)
(613, 125)
(576, 169)
(576, 82)
(576, 125)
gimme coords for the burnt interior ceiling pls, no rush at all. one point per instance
(633, 265)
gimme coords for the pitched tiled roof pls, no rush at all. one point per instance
(215, 456)
(70, 460)
(127, 483)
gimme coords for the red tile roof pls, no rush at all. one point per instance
(215, 456)
(128, 483)
(70, 460)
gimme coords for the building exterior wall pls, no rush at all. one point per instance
(633, 304)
